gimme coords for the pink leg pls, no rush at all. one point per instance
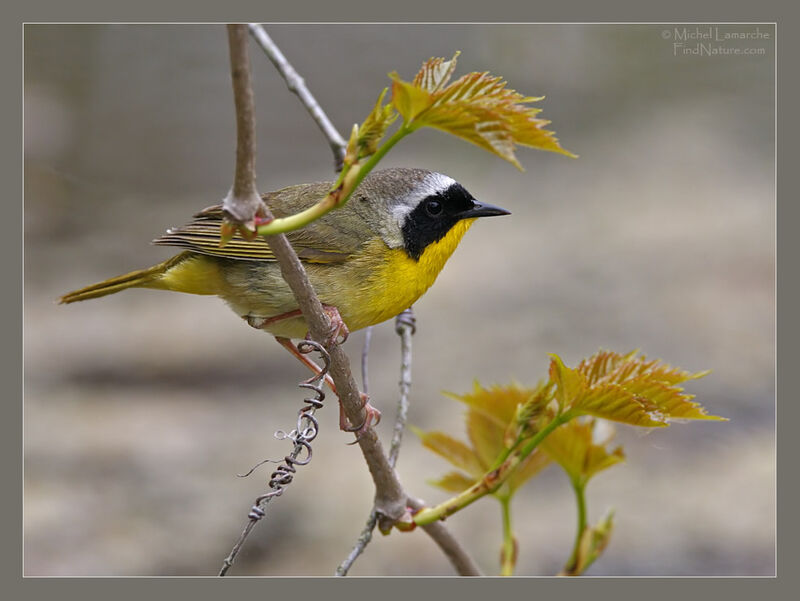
(338, 327)
(289, 346)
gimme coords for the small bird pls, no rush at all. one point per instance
(367, 261)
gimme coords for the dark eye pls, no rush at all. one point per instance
(433, 208)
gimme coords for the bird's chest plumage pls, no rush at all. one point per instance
(396, 280)
(372, 285)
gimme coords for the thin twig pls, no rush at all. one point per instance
(243, 201)
(365, 361)
(462, 562)
(405, 326)
(361, 543)
(297, 85)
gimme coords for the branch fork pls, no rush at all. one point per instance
(244, 204)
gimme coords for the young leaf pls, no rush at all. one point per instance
(593, 541)
(570, 384)
(453, 482)
(492, 414)
(374, 126)
(528, 468)
(615, 402)
(573, 447)
(608, 366)
(486, 436)
(626, 388)
(435, 73)
(497, 402)
(477, 107)
(455, 451)
(650, 380)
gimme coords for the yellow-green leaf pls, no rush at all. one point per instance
(454, 482)
(455, 451)
(498, 402)
(528, 468)
(570, 383)
(592, 543)
(486, 436)
(609, 366)
(408, 99)
(614, 402)
(652, 383)
(626, 388)
(601, 364)
(601, 533)
(477, 107)
(573, 447)
(435, 73)
(375, 126)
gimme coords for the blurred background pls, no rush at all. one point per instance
(141, 408)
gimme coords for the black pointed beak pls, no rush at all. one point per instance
(482, 209)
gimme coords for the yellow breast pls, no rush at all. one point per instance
(397, 281)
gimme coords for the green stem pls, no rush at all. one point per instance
(505, 454)
(509, 552)
(327, 204)
(492, 480)
(381, 152)
(579, 486)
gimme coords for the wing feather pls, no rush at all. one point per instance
(331, 239)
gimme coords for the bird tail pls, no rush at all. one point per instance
(143, 278)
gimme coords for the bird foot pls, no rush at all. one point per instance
(372, 417)
(338, 327)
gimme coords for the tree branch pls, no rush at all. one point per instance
(405, 326)
(365, 360)
(243, 201)
(461, 561)
(390, 498)
(297, 85)
(389, 495)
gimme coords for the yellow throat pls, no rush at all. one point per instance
(401, 280)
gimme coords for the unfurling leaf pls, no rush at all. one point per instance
(570, 384)
(455, 451)
(614, 402)
(601, 533)
(453, 482)
(374, 126)
(575, 448)
(486, 436)
(498, 416)
(500, 403)
(477, 107)
(592, 543)
(352, 148)
(626, 388)
(492, 413)
(435, 73)
(608, 366)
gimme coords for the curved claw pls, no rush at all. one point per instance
(372, 417)
(338, 327)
